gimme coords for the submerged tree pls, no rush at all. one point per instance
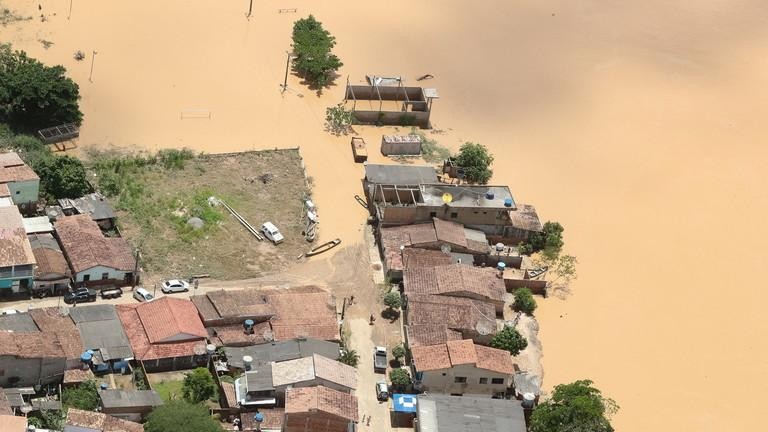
(476, 162)
(312, 46)
(33, 95)
(575, 407)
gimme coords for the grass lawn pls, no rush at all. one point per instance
(169, 390)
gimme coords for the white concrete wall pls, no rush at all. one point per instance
(97, 271)
(443, 381)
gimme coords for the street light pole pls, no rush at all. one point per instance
(93, 57)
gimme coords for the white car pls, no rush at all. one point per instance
(272, 233)
(174, 285)
(143, 295)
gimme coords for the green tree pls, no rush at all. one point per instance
(549, 240)
(400, 377)
(398, 352)
(84, 396)
(393, 300)
(575, 407)
(181, 416)
(47, 419)
(312, 46)
(350, 357)
(524, 301)
(198, 385)
(338, 120)
(62, 177)
(509, 339)
(33, 95)
(476, 162)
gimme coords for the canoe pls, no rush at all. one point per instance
(323, 247)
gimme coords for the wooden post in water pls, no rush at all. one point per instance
(250, 9)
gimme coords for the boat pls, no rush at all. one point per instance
(537, 272)
(323, 248)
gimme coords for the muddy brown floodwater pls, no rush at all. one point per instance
(638, 125)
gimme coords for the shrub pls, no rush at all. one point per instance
(393, 300)
(398, 352)
(476, 162)
(338, 120)
(509, 339)
(181, 416)
(62, 177)
(549, 240)
(350, 357)
(198, 385)
(578, 407)
(84, 396)
(400, 377)
(524, 301)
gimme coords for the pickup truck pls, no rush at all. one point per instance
(80, 295)
(380, 359)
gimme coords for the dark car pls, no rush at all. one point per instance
(80, 295)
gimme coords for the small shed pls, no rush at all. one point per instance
(401, 145)
(359, 150)
(130, 405)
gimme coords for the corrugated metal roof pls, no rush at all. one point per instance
(438, 413)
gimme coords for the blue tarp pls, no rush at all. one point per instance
(404, 403)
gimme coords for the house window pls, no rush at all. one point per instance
(104, 276)
(432, 214)
(460, 380)
(454, 215)
(483, 380)
(497, 380)
(86, 278)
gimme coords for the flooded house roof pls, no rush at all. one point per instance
(525, 218)
(400, 174)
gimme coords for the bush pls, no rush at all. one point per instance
(62, 177)
(524, 301)
(198, 385)
(509, 339)
(578, 407)
(312, 46)
(393, 300)
(338, 120)
(400, 377)
(84, 396)
(476, 162)
(350, 357)
(549, 240)
(398, 352)
(35, 96)
(181, 416)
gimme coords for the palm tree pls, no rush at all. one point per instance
(350, 357)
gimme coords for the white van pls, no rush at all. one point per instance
(143, 295)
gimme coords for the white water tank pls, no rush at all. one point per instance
(529, 400)
(247, 361)
(210, 348)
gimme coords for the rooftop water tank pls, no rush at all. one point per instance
(501, 266)
(508, 202)
(489, 195)
(210, 348)
(248, 325)
(499, 247)
(86, 357)
(103, 386)
(529, 400)
(259, 417)
(247, 360)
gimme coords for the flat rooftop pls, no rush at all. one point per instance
(495, 197)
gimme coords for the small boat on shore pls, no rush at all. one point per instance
(323, 248)
(537, 272)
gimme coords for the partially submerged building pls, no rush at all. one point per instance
(439, 413)
(17, 262)
(19, 179)
(165, 334)
(394, 105)
(461, 367)
(319, 409)
(95, 260)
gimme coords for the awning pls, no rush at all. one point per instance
(404, 403)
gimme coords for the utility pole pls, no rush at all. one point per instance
(284, 87)
(93, 57)
(70, 10)
(250, 9)
(135, 271)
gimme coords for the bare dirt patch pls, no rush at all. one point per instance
(260, 186)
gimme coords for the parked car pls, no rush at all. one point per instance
(111, 293)
(382, 391)
(380, 359)
(271, 232)
(80, 295)
(143, 295)
(174, 285)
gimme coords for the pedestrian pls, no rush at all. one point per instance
(373, 318)
(351, 300)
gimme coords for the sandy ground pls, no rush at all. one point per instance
(638, 125)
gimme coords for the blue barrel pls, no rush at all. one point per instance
(501, 266)
(86, 357)
(259, 417)
(508, 202)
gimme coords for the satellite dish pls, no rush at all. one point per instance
(447, 197)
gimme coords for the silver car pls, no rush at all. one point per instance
(174, 285)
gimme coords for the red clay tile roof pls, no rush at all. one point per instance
(455, 279)
(86, 247)
(455, 313)
(493, 359)
(450, 232)
(323, 399)
(309, 315)
(170, 319)
(12, 423)
(14, 245)
(525, 218)
(51, 320)
(428, 358)
(335, 372)
(273, 419)
(5, 405)
(4, 191)
(240, 303)
(430, 334)
(179, 315)
(13, 169)
(75, 376)
(50, 262)
(393, 238)
(229, 394)
(100, 421)
(454, 353)
(30, 345)
(419, 258)
(234, 334)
